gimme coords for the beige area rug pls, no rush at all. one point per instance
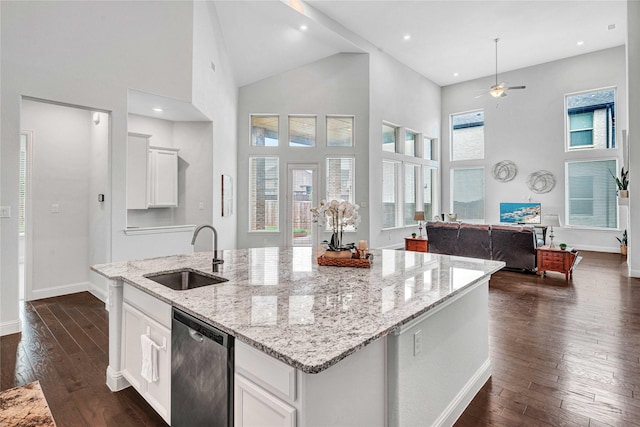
(25, 407)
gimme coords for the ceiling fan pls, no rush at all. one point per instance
(499, 90)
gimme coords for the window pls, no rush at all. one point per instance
(411, 179)
(467, 136)
(591, 194)
(389, 137)
(264, 194)
(427, 191)
(410, 143)
(264, 131)
(427, 148)
(591, 120)
(340, 181)
(302, 131)
(339, 131)
(390, 194)
(468, 194)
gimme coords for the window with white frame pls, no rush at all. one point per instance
(467, 136)
(302, 131)
(264, 194)
(467, 194)
(411, 183)
(427, 148)
(410, 143)
(591, 120)
(340, 131)
(389, 138)
(591, 194)
(340, 181)
(390, 172)
(427, 191)
(264, 130)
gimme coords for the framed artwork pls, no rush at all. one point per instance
(227, 195)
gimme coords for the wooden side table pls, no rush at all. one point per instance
(416, 245)
(556, 260)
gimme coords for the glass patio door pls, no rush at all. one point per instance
(301, 192)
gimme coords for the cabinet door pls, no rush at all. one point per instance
(257, 408)
(163, 177)
(132, 328)
(158, 393)
(137, 166)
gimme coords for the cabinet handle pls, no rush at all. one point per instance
(197, 336)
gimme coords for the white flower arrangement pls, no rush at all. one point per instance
(338, 215)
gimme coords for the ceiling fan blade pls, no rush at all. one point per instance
(480, 96)
(516, 87)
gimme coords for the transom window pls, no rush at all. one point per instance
(467, 136)
(339, 131)
(591, 120)
(410, 143)
(264, 131)
(389, 138)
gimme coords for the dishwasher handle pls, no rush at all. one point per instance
(195, 335)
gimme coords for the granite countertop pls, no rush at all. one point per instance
(309, 316)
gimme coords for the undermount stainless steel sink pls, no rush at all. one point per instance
(181, 280)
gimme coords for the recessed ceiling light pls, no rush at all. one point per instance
(580, 43)
(157, 110)
(303, 27)
(456, 74)
(407, 36)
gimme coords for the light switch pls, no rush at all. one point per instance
(201, 205)
(55, 208)
(5, 211)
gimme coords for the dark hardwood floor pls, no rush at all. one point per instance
(564, 353)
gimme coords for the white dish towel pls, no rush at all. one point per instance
(149, 359)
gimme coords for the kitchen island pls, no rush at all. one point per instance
(402, 343)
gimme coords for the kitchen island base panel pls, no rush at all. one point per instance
(438, 362)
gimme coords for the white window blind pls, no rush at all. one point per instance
(23, 181)
(411, 177)
(390, 193)
(427, 191)
(468, 194)
(264, 198)
(591, 194)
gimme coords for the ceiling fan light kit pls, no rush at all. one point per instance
(498, 90)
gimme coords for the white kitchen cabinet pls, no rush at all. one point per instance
(255, 407)
(152, 174)
(154, 322)
(163, 177)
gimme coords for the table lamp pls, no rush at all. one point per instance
(419, 216)
(551, 220)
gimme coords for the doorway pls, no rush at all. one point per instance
(301, 190)
(64, 198)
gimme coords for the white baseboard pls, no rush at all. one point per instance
(98, 292)
(10, 327)
(457, 406)
(59, 290)
(115, 380)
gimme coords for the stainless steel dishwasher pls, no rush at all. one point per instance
(201, 373)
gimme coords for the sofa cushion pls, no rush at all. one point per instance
(443, 237)
(515, 245)
(474, 240)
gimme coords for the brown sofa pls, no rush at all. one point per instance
(516, 245)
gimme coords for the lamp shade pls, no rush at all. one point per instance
(418, 216)
(552, 220)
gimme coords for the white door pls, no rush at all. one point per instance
(302, 184)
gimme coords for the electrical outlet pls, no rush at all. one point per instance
(55, 208)
(5, 211)
(417, 342)
(201, 206)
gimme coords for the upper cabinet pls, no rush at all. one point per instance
(152, 174)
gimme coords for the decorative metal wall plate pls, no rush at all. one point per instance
(541, 182)
(504, 171)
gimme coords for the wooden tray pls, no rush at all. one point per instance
(344, 262)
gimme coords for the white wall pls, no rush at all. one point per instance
(59, 176)
(633, 71)
(404, 98)
(89, 54)
(338, 84)
(527, 127)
